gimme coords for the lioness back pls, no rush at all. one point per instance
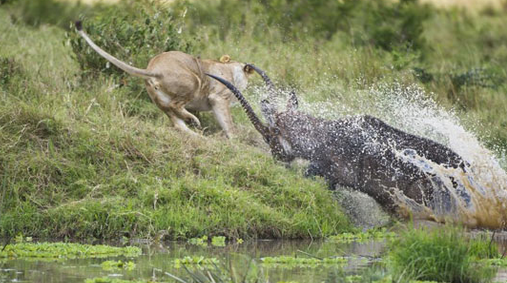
(173, 63)
(181, 74)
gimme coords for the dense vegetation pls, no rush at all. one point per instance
(85, 154)
(85, 158)
(458, 56)
(442, 255)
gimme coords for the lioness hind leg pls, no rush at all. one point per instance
(179, 124)
(178, 108)
(170, 108)
(220, 107)
(187, 116)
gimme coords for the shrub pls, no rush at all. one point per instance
(11, 73)
(134, 35)
(401, 25)
(8, 69)
(442, 255)
(476, 77)
(53, 12)
(380, 23)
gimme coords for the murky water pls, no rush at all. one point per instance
(238, 259)
(158, 259)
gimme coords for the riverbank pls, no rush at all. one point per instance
(90, 159)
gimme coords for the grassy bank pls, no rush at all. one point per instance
(91, 157)
(88, 159)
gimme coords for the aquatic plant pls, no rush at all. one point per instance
(291, 261)
(219, 273)
(372, 234)
(218, 241)
(115, 265)
(116, 280)
(256, 273)
(66, 250)
(442, 255)
(202, 241)
(195, 260)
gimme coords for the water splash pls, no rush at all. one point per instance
(475, 196)
(470, 197)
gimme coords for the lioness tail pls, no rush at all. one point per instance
(142, 73)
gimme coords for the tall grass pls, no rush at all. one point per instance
(457, 56)
(89, 159)
(442, 255)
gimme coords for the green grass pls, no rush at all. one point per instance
(85, 159)
(442, 255)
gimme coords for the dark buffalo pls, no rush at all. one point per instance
(361, 152)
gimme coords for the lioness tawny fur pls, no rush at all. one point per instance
(176, 82)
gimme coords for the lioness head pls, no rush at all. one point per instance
(247, 68)
(225, 58)
(240, 71)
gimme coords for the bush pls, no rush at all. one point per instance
(401, 25)
(53, 12)
(8, 69)
(5, 1)
(380, 23)
(11, 74)
(442, 255)
(134, 35)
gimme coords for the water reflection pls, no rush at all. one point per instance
(243, 258)
(157, 259)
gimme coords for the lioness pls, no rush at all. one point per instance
(176, 82)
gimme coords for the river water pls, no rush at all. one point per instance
(156, 260)
(238, 259)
